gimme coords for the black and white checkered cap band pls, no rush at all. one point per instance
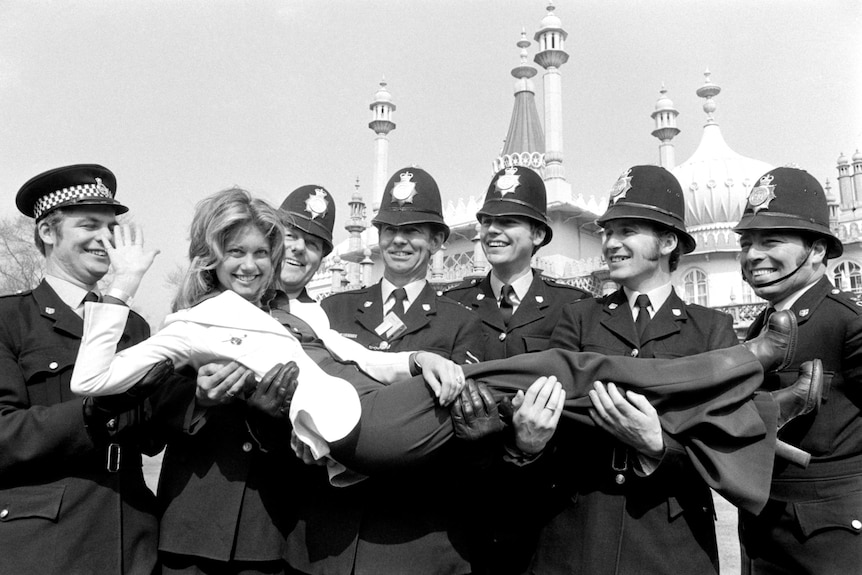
(54, 199)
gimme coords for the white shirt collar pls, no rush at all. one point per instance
(657, 297)
(521, 285)
(413, 290)
(788, 302)
(71, 294)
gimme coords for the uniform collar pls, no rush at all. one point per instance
(413, 290)
(788, 302)
(657, 297)
(69, 293)
(521, 285)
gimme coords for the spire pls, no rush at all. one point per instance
(552, 54)
(845, 184)
(665, 128)
(525, 142)
(381, 123)
(708, 91)
(356, 220)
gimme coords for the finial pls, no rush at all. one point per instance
(708, 91)
(550, 7)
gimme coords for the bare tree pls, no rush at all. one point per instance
(21, 264)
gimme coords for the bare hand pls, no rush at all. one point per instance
(631, 419)
(129, 260)
(219, 383)
(273, 394)
(444, 377)
(538, 413)
(303, 451)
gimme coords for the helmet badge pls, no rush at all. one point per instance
(403, 191)
(621, 186)
(761, 195)
(316, 204)
(507, 183)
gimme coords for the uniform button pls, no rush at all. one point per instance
(112, 424)
(246, 446)
(620, 479)
(4, 513)
(502, 337)
(856, 524)
(53, 365)
(384, 345)
(635, 352)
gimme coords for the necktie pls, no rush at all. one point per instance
(400, 295)
(642, 303)
(507, 307)
(91, 296)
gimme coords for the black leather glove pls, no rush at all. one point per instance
(474, 413)
(273, 394)
(100, 413)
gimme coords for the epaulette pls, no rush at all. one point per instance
(20, 292)
(465, 283)
(445, 300)
(850, 300)
(553, 282)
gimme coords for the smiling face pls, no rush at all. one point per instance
(509, 242)
(246, 267)
(768, 255)
(634, 251)
(406, 251)
(72, 248)
(303, 253)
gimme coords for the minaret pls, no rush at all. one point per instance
(665, 129)
(552, 54)
(857, 177)
(381, 122)
(833, 204)
(355, 226)
(845, 183)
(525, 141)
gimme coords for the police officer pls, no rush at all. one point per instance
(627, 492)
(813, 521)
(517, 305)
(399, 522)
(403, 311)
(72, 492)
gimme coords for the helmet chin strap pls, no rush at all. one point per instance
(781, 279)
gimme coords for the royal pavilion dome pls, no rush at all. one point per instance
(716, 182)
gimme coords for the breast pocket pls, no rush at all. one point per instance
(839, 512)
(32, 502)
(47, 371)
(534, 343)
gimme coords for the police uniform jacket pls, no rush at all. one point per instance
(61, 510)
(433, 323)
(607, 518)
(394, 522)
(813, 521)
(530, 327)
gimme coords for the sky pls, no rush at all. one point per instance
(182, 98)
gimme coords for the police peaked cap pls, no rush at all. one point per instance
(789, 199)
(652, 194)
(518, 191)
(68, 186)
(411, 196)
(312, 210)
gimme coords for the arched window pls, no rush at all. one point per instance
(848, 277)
(695, 288)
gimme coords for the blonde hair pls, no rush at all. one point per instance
(216, 219)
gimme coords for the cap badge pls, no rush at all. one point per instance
(620, 187)
(403, 191)
(507, 183)
(761, 195)
(316, 204)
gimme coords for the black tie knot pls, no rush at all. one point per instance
(400, 295)
(642, 303)
(91, 296)
(507, 302)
